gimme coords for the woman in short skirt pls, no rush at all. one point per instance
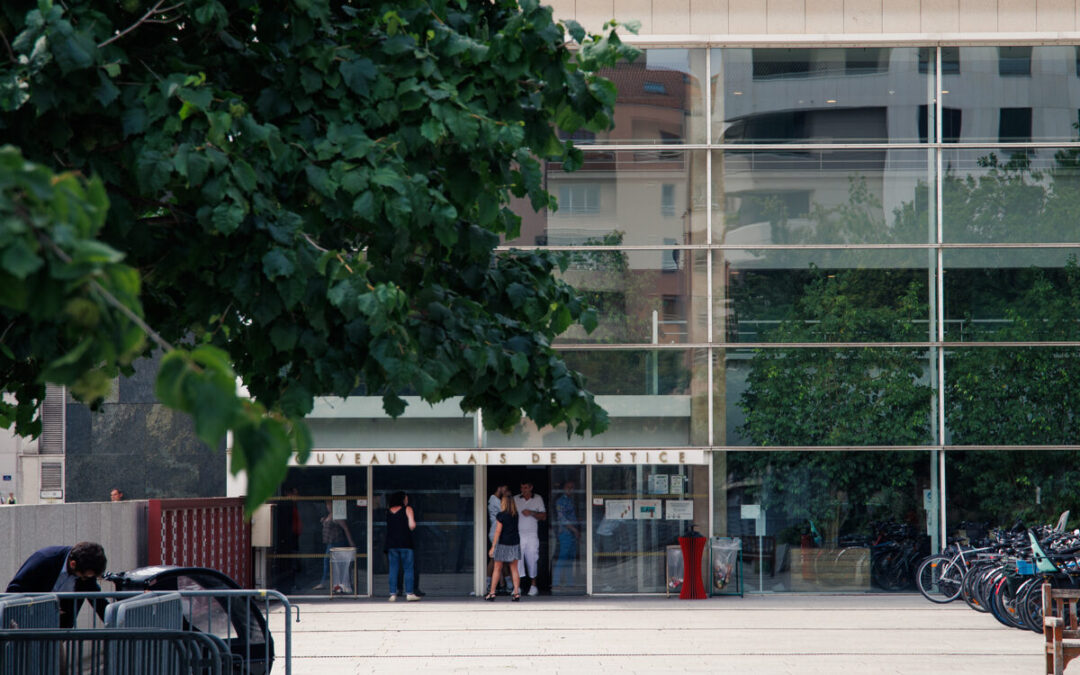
(506, 547)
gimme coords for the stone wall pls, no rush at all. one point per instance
(138, 445)
(119, 527)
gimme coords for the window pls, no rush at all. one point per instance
(579, 199)
(866, 61)
(1014, 61)
(950, 124)
(669, 259)
(950, 60)
(667, 199)
(654, 88)
(1014, 125)
(770, 64)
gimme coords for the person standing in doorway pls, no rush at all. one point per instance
(335, 533)
(506, 548)
(494, 508)
(568, 532)
(400, 523)
(531, 511)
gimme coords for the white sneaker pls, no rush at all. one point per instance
(411, 597)
(393, 598)
(533, 590)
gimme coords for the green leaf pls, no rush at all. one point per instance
(278, 263)
(19, 259)
(133, 121)
(107, 92)
(244, 175)
(227, 217)
(432, 129)
(364, 206)
(73, 50)
(393, 405)
(283, 336)
(576, 31)
(520, 363)
(358, 74)
(320, 180)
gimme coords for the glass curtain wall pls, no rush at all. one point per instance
(318, 508)
(849, 272)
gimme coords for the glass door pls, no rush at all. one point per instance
(317, 508)
(638, 511)
(442, 499)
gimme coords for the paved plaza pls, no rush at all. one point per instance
(755, 634)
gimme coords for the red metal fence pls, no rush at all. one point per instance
(202, 532)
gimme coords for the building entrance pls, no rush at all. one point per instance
(442, 498)
(561, 564)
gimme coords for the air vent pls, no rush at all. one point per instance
(52, 480)
(52, 421)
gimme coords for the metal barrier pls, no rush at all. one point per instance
(114, 651)
(29, 611)
(214, 613)
(147, 611)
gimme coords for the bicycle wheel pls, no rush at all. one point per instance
(1029, 604)
(938, 580)
(969, 588)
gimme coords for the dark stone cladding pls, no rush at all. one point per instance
(137, 444)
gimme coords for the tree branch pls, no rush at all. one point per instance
(7, 46)
(109, 297)
(156, 9)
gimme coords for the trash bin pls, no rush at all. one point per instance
(692, 547)
(342, 572)
(726, 578)
(674, 567)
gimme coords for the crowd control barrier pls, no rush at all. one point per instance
(216, 613)
(113, 651)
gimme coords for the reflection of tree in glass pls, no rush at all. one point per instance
(1015, 395)
(878, 396)
(1012, 201)
(1002, 485)
(624, 373)
(623, 297)
(855, 396)
(859, 220)
(1021, 395)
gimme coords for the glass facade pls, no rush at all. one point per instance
(847, 278)
(870, 263)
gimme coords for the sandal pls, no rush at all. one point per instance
(517, 595)
(490, 597)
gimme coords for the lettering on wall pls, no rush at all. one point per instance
(477, 457)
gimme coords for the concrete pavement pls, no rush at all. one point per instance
(755, 634)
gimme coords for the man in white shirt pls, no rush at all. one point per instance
(531, 511)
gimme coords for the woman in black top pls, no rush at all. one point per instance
(506, 547)
(400, 522)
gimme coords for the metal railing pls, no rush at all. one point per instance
(211, 612)
(112, 651)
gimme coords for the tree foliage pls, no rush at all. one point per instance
(310, 194)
